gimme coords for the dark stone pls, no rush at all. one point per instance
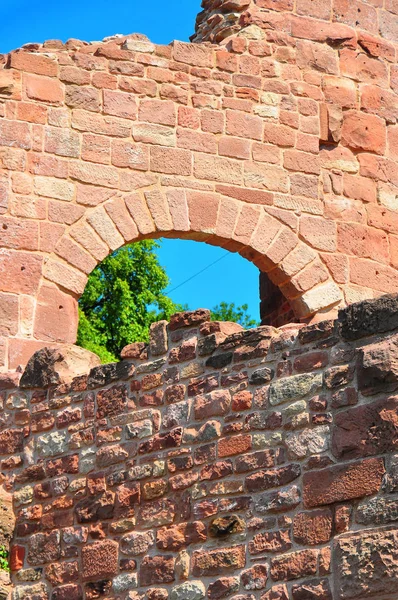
(91, 509)
(105, 374)
(261, 376)
(223, 526)
(366, 430)
(40, 372)
(378, 367)
(219, 361)
(369, 317)
(316, 332)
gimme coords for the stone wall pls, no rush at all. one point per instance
(280, 143)
(216, 463)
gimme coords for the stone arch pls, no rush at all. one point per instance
(255, 231)
(291, 114)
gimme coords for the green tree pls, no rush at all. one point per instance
(123, 296)
(226, 311)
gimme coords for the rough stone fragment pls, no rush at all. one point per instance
(368, 317)
(189, 319)
(213, 562)
(293, 388)
(343, 482)
(362, 570)
(158, 338)
(100, 560)
(378, 366)
(366, 430)
(57, 366)
(308, 441)
(189, 590)
(295, 565)
(313, 528)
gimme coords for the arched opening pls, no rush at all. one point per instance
(149, 280)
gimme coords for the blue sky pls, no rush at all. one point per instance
(232, 279)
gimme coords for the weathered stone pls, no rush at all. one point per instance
(378, 366)
(100, 560)
(366, 430)
(158, 338)
(213, 562)
(313, 528)
(292, 388)
(307, 442)
(189, 319)
(369, 317)
(343, 482)
(192, 590)
(157, 569)
(57, 366)
(361, 568)
(377, 511)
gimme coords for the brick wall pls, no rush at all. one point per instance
(216, 463)
(279, 143)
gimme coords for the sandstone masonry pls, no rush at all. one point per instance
(214, 463)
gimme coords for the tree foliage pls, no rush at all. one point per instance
(226, 311)
(125, 294)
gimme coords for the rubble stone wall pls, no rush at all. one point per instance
(217, 463)
(280, 143)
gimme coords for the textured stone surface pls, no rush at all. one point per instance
(362, 571)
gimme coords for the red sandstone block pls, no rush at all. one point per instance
(244, 125)
(212, 121)
(9, 314)
(84, 97)
(233, 445)
(17, 556)
(162, 112)
(197, 141)
(203, 209)
(366, 242)
(171, 160)
(364, 132)
(320, 9)
(362, 67)
(62, 141)
(30, 62)
(343, 482)
(96, 148)
(10, 84)
(226, 61)
(301, 161)
(43, 89)
(106, 81)
(74, 75)
(280, 135)
(20, 272)
(370, 274)
(382, 218)
(100, 560)
(14, 134)
(295, 565)
(188, 117)
(131, 155)
(193, 54)
(120, 104)
(359, 188)
(33, 113)
(393, 142)
(319, 232)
